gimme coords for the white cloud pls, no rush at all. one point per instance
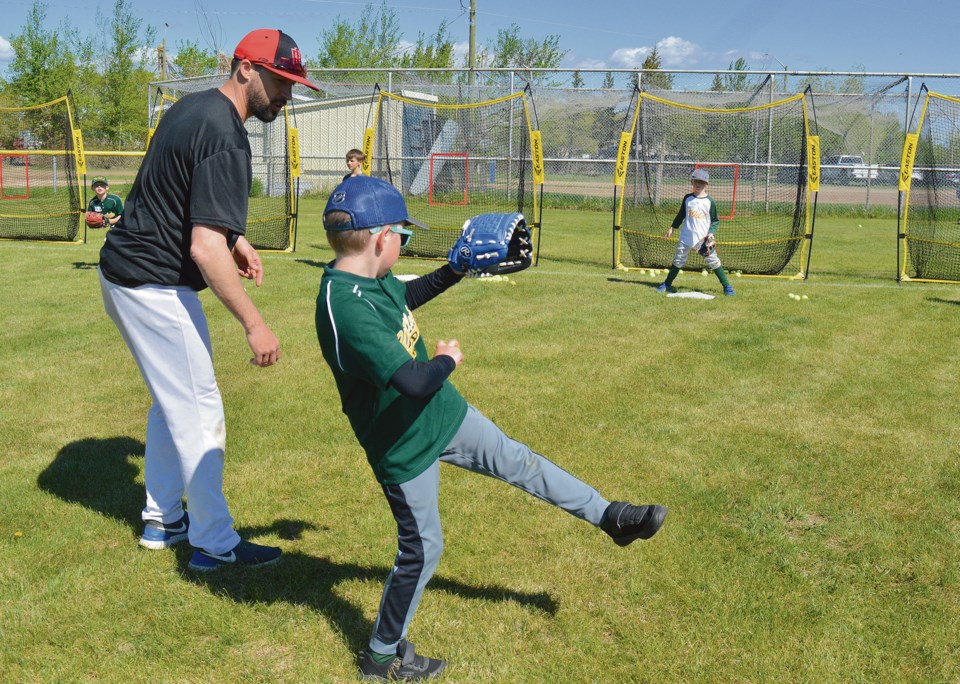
(6, 50)
(629, 58)
(677, 53)
(460, 53)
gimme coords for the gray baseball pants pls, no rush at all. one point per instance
(481, 447)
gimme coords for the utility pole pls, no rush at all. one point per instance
(162, 55)
(472, 55)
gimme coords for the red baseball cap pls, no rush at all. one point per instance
(276, 51)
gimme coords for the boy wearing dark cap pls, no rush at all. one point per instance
(183, 231)
(408, 416)
(111, 206)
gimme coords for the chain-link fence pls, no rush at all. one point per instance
(861, 120)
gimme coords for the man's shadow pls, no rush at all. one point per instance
(940, 300)
(101, 474)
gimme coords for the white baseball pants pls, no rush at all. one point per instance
(680, 258)
(166, 331)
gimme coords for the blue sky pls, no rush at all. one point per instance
(837, 35)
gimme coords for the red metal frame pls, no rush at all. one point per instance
(466, 176)
(733, 200)
(26, 171)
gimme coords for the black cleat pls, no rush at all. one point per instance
(625, 522)
(406, 666)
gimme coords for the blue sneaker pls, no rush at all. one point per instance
(244, 553)
(663, 287)
(156, 535)
(728, 291)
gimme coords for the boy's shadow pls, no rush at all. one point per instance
(101, 475)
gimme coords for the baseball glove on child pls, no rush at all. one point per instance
(707, 247)
(492, 244)
(95, 219)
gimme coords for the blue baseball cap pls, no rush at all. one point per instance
(370, 203)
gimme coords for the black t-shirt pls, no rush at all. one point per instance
(197, 170)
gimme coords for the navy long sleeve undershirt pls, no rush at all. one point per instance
(419, 379)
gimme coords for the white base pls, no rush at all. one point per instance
(691, 295)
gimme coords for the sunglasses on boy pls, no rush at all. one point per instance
(404, 233)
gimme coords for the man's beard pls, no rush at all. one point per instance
(261, 107)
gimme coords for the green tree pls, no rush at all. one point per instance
(577, 79)
(192, 60)
(122, 122)
(44, 65)
(511, 51)
(653, 63)
(373, 41)
(608, 81)
(737, 81)
(436, 54)
(717, 85)
(606, 127)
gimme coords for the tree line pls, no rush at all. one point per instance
(108, 73)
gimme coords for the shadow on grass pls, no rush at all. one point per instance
(312, 262)
(644, 283)
(304, 580)
(101, 475)
(85, 265)
(940, 300)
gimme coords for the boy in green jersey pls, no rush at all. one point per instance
(408, 416)
(111, 206)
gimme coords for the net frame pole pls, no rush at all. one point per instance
(906, 175)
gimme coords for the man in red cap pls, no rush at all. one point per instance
(183, 231)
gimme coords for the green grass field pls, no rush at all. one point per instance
(807, 451)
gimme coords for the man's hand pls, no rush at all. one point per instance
(248, 261)
(264, 344)
(669, 232)
(451, 349)
(208, 249)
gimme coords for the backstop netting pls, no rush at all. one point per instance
(272, 210)
(41, 158)
(452, 161)
(929, 226)
(757, 158)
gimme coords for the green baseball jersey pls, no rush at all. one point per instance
(366, 332)
(111, 205)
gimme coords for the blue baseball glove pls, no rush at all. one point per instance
(492, 244)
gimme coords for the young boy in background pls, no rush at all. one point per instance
(408, 416)
(111, 206)
(354, 162)
(698, 216)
